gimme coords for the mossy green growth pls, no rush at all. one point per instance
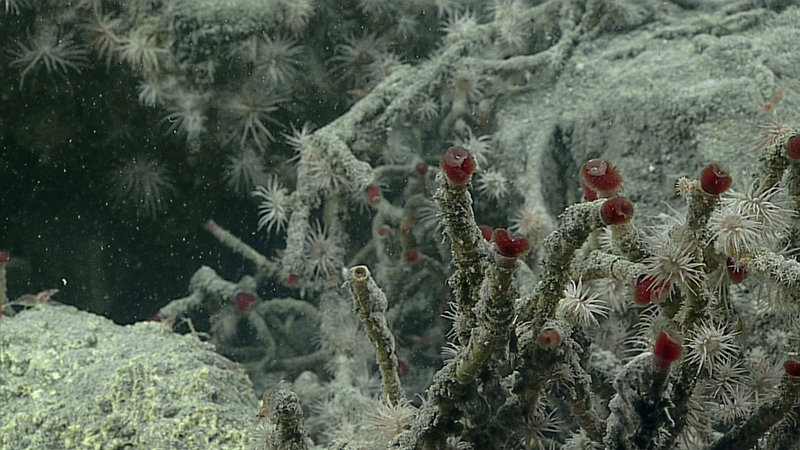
(71, 379)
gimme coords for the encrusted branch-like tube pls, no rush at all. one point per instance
(639, 409)
(370, 304)
(287, 414)
(497, 309)
(237, 245)
(206, 288)
(640, 405)
(458, 223)
(783, 271)
(746, 435)
(599, 264)
(701, 205)
(696, 296)
(580, 397)
(577, 222)
(785, 434)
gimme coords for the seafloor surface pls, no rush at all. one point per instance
(126, 126)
